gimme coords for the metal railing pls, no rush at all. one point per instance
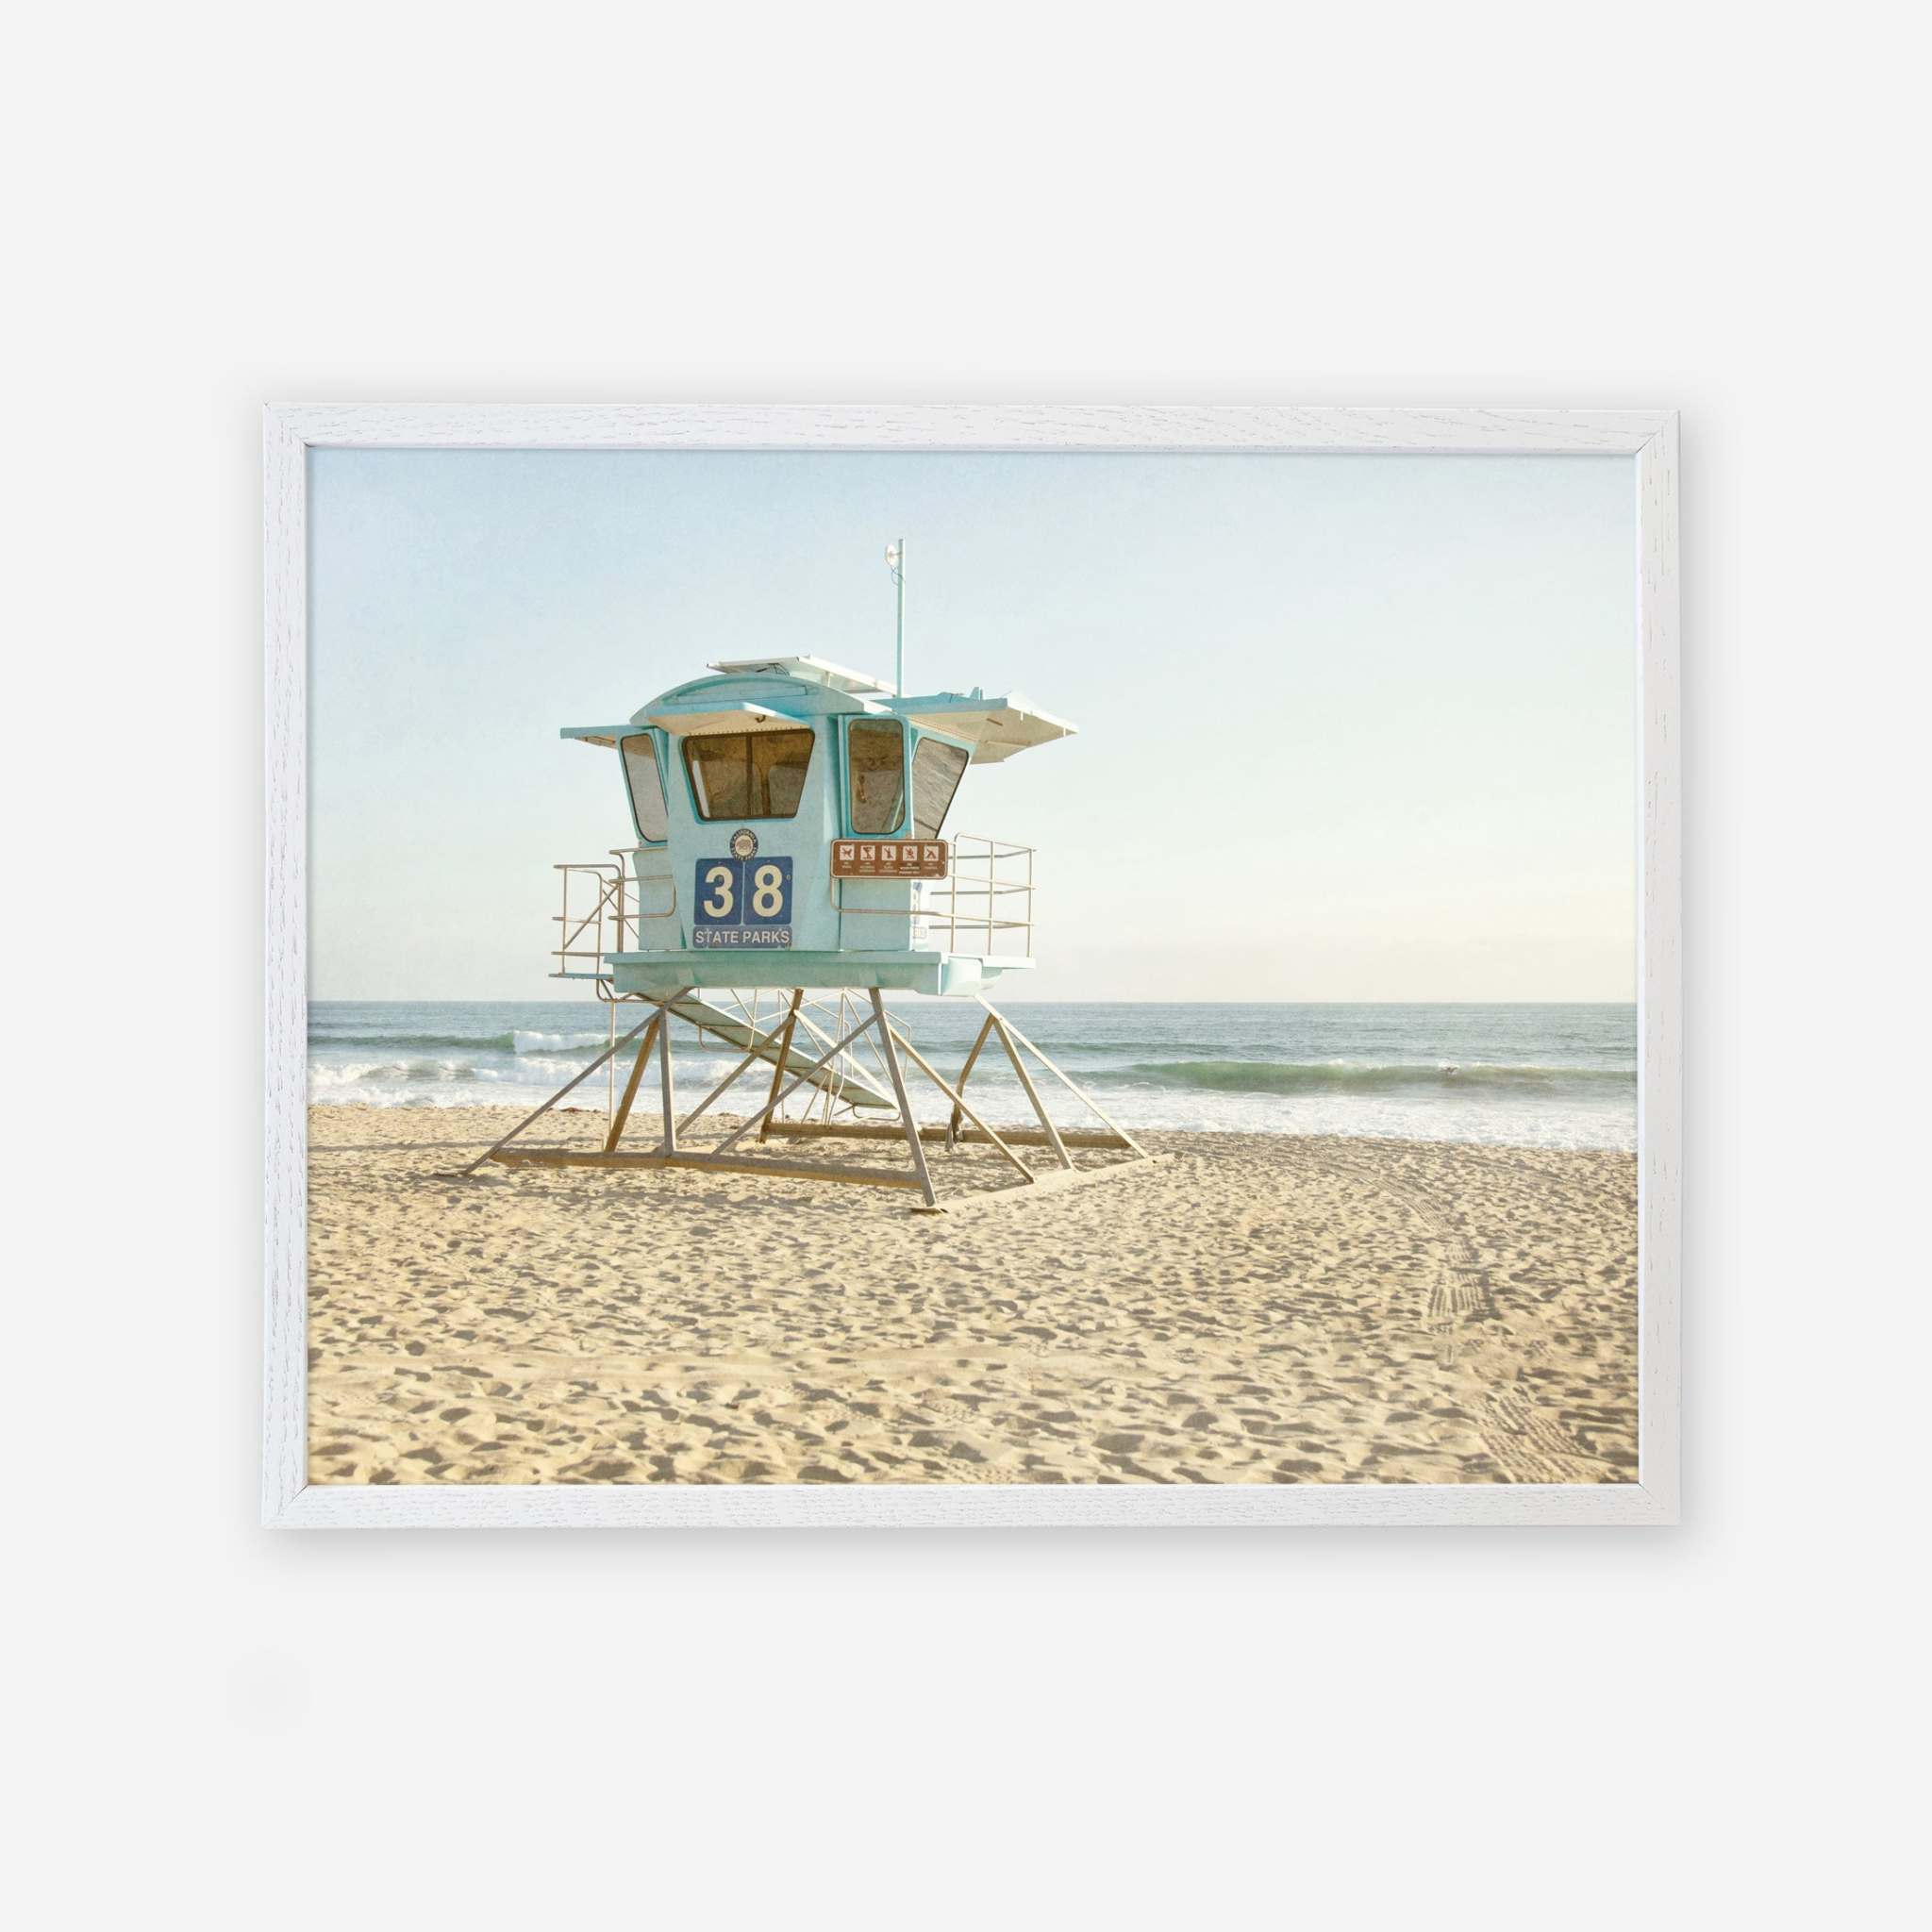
(986, 904)
(984, 907)
(606, 915)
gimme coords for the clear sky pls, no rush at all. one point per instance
(1352, 727)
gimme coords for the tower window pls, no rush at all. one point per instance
(936, 770)
(875, 775)
(646, 788)
(748, 774)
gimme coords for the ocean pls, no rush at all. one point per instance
(1521, 1076)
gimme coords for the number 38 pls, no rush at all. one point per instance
(731, 890)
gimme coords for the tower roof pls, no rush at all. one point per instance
(813, 670)
(749, 694)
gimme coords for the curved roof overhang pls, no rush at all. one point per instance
(995, 727)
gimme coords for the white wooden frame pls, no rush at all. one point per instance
(1648, 437)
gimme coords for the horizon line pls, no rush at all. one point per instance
(590, 999)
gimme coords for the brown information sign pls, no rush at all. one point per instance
(889, 859)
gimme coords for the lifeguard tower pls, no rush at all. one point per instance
(793, 864)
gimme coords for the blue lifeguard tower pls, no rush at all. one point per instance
(795, 860)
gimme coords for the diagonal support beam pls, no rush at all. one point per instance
(1085, 1100)
(784, 1054)
(726, 1085)
(965, 1075)
(831, 1053)
(616, 1046)
(1053, 1133)
(920, 1061)
(630, 1086)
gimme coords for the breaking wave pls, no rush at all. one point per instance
(354, 1072)
(518, 1042)
(559, 1043)
(1264, 1076)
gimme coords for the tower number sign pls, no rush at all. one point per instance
(742, 900)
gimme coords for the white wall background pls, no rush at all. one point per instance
(1399, 205)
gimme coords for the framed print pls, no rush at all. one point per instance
(931, 966)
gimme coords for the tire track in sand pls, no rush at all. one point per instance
(1461, 1292)
(1525, 1444)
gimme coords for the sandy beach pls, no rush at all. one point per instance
(1250, 1309)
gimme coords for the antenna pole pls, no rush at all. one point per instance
(896, 558)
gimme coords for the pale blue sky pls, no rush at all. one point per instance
(1352, 727)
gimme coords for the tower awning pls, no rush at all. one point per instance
(702, 716)
(692, 721)
(995, 727)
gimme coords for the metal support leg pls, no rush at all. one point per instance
(912, 1139)
(965, 1073)
(666, 1087)
(784, 1054)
